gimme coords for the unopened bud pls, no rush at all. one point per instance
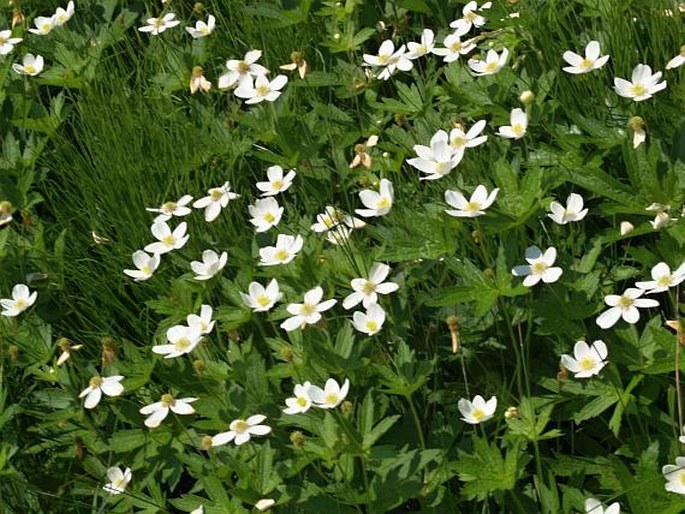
(511, 412)
(346, 407)
(297, 438)
(636, 123)
(626, 226)
(109, 351)
(527, 97)
(199, 366)
(13, 352)
(206, 443)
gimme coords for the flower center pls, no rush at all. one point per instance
(456, 46)
(241, 426)
(118, 483)
(472, 206)
(383, 203)
(277, 185)
(146, 269)
(491, 66)
(421, 49)
(470, 16)
(383, 59)
(30, 68)
(478, 414)
(539, 268)
(95, 382)
(585, 64)
(20, 303)
(269, 218)
(665, 280)
(458, 141)
(518, 129)
(681, 477)
(159, 23)
(216, 194)
(168, 240)
(639, 89)
(307, 309)
(169, 207)
(46, 27)
(263, 301)
(369, 288)
(263, 90)
(331, 398)
(371, 326)
(281, 255)
(625, 303)
(243, 67)
(182, 344)
(301, 401)
(3, 40)
(587, 363)
(168, 400)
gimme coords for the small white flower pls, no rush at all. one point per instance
(332, 218)
(286, 249)
(661, 220)
(416, 50)
(624, 306)
(169, 209)
(62, 16)
(519, 124)
(662, 278)
(639, 136)
(31, 65)
(260, 298)
(477, 411)
(338, 235)
(460, 141)
(266, 213)
(591, 61)
(242, 71)
(625, 227)
(22, 299)
(264, 504)
(166, 239)
(331, 395)
(158, 411)
(145, 264)
(573, 212)
(454, 47)
(209, 266)
(118, 480)
(241, 430)
(675, 476)
(586, 360)
(198, 82)
(276, 183)
(594, 506)
(204, 321)
(217, 199)
(677, 61)
(377, 203)
(361, 153)
(109, 385)
(539, 267)
(370, 322)
(201, 28)
(44, 25)
(301, 402)
(156, 26)
(388, 59)
(492, 64)
(366, 291)
(470, 15)
(437, 160)
(7, 42)
(262, 89)
(480, 200)
(642, 84)
(309, 312)
(182, 340)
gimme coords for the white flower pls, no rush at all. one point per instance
(388, 59)
(286, 249)
(662, 278)
(31, 65)
(183, 340)
(594, 506)
(276, 183)
(591, 61)
(118, 480)
(22, 299)
(588, 361)
(460, 141)
(492, 64)
(370, 322)
(361, 151)
(437, 160)
(262, 89)
(338, 235)
(675, 476)
(416, 50)
(66, 348)
(639, 135)
(377, 203)
(146, 264)
(209, 266)
(198, 82)
(199, 510)
(167, 240)
(367, 290)
(204, 321)
(480, 200)
(260, 298)
(201, 28)
(539, 266)
(7, 42)
(169, 209)
(109, 385)
(662, 219)
(309, 312)
(624, 306)
(677, 61)
(573, 212)
(264, 504)
(62, 16)
(331, 395)
(454, 47)
(477, 411)
(218, 199)
(266, 213)
(519, 124)
(470, 16)
(44, 24)
(301, 402)
(332, 218)
(625, 227)
(242, 71)
(241, 430)
(156, 26)
(642, 84)
(158, 411)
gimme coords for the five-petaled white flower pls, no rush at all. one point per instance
(675, 476)
(44, 25)
(539, 266)
(276, 182)
(118, 480)
(242, 71)
(182, 340)
(156, 26)
(388, 59)
(203, 321)
(377, 203)
(166, 239)
(436, 160)
(264, 504)
(31, 65)
(480, 200)
(416, 50)
(62, 16)
(594, 506)
(331, 395)
(477, 411)
(266, 213)
(642, 84)
(587, 359)
(678, 60)
(572, 212)
(492, 64)
(332, 218)
(286, 249)
(591, 61)
(460, 141)
(217, 199)
(145, 264)
(241, 430)
(209, 266)
(22, 299)
(301, 402)
(202, 29)
(662, 278)
(158, 411)
(366, 291)
(262, 89)
(111, 386)
(7, 42)
(260, 298)
(453, 46)
(169, 209)
(308, 312)
(519, 124)
(470, 15)
(370, 322)
(624, 306)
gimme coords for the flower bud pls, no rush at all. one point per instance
(109, 350)
(13, 352)
(626, 226)
(346, 407)
(527, 97)
(297, 438)
(199, 367)
(206, 443)
(511, 412)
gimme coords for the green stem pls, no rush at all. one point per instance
(417, 421)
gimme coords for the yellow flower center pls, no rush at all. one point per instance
(307, 309)
(243, 67)
(168, 240)
(159, 23)
(456, 46)
(328, 221)
(639, 89)
(301, 401)
(30, 68)
(681, 477)
(95, 382)
(586, 363)
(269, 218)
(20, 303)
(281, 255)
(263, 301)
(371, 326)
(263, 90)
(472, 206)
(458, 141)
(61, 19)
(216, 194)
(585, 64)
(624, 302)
(664, 281)
(421, 49)
(146, 269)
(491, 66)
(277, 185)
(478, 414)
(331, 398)
(383, 59)
(241, 426)
(45, 27)
(182, 344)
(517, 129)
(470, 16)
(118, 483)
(168, 400)
(383, 203)
(369, 287)
(539, 268)
(169, 207)
(3, 40)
